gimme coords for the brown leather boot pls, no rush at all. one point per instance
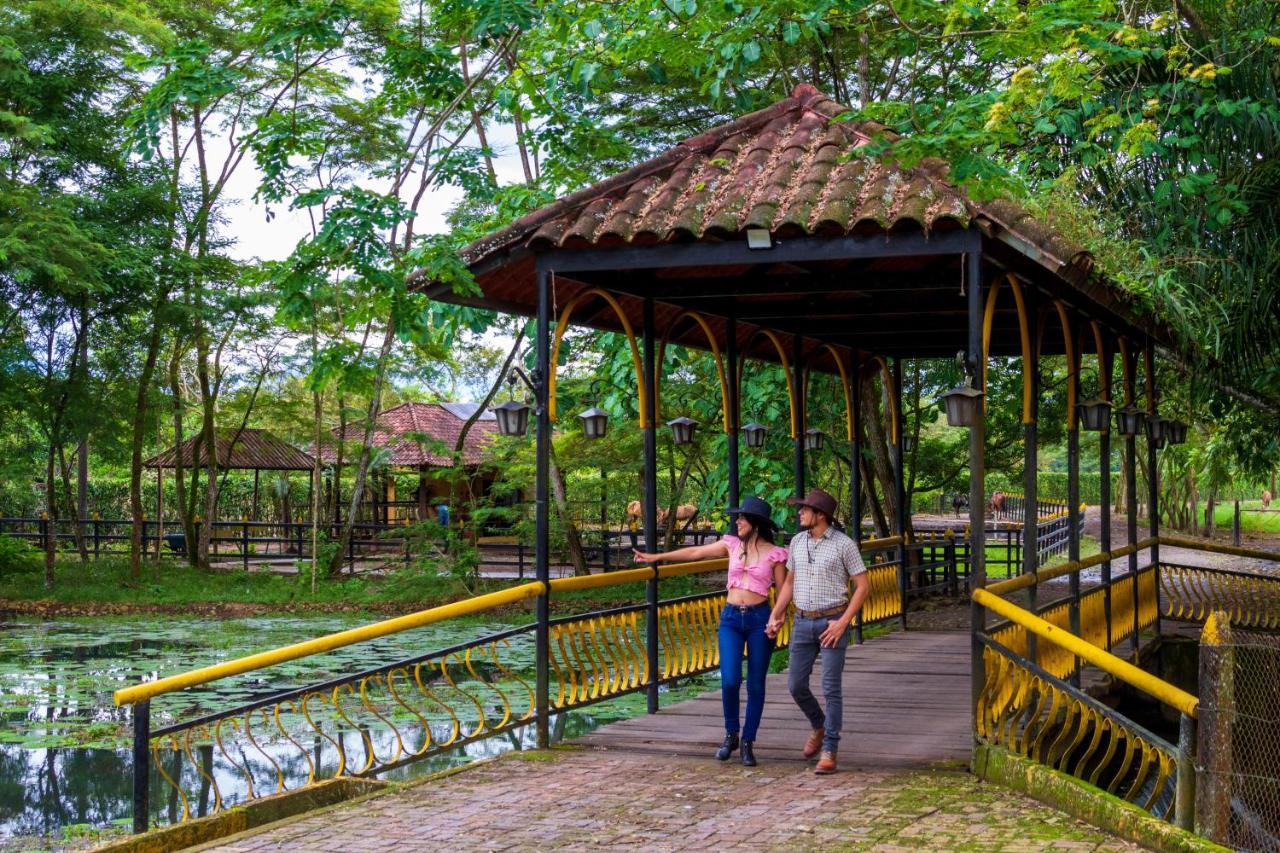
(814, 743)
(826, 764)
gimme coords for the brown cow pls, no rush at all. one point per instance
(997, 502)
(1266, 498)
(685, 514)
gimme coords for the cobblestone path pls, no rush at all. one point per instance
(591, 799)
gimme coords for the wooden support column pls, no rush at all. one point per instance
(1131, 500)
(1153, 482)
(855, 469)
(1214, 750)
(1073, 498)
(1104, 499)
(977, 467)
(1030, 460)
(801, 421)
(651, 504)
(542, 518)
(733, 405)
(900, 516)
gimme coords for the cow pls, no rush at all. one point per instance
(685, 514)
(1266, 498)
(959, 502)
(997, 502)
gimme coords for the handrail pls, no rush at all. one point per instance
(466, 607)
(1023, 581)
(327, 643)
(1176, 698)
(1213, 547)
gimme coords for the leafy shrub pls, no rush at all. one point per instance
(17, 557)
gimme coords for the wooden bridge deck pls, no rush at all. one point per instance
(906, 705)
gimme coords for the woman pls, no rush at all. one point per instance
(755, 565)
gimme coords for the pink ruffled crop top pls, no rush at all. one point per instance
(757, 578)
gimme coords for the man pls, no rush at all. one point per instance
(821, 562)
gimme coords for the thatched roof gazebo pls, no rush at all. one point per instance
(245, 449)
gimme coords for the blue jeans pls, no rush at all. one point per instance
(805, 647)
(741, 631)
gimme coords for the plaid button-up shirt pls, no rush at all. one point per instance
(823, 567)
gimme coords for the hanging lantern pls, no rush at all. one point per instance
(813, 439)
(1094, 414)
(594, 422)
(682, 430)
(754, 433)
(1129, 420)
(513, 418)
(908, 443)
(963, 405)
(1156, 430)
(1176, 431)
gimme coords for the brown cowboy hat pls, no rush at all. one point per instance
(816, 499)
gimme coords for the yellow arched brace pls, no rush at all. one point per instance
(892, 393)
(844, 384)
(1073, 365)
(631, 339)
(786, 369)
(1023, 330)
(1127, 368)
(715, 351)
(1104, 375)
(1149, 362)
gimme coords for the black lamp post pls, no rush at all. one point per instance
(594, 422)
(1093, 414)
(1129, 420)
(754, 433)
(813, 439)
(682, 430)
(513, 418)
(963, 405)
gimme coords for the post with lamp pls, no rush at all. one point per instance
(1129, 422)
(900, 518)
(1094, 415)
(1157, 435)
(799, 420)
(542, 492)
(732, 405)
(651, 503)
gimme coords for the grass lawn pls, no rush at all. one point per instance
(1253, 519)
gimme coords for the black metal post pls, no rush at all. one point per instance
(798, 406)
(1131, 507)
(1030, 462)
(1153, 492)
(244, 544)
(899, 488)
(651, 503)
(141, 765)
(542, 510)
(1073, 506)
(1104, 486)
(855, 468)
(977, 467)
(732, 404)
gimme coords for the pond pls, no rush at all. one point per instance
(65, 757)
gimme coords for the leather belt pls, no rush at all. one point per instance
(820, 614)
(743, 608)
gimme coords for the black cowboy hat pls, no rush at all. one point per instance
(754, 506)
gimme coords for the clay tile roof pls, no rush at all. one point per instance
(415, 432)
(252, 448)
(786, 168)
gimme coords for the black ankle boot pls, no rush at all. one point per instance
(726, 749)
(748, 753)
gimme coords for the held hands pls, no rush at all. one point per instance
(773, 626)
(836, 629)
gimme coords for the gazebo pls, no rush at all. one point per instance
(420, 437)
(245, 449)
(772, 238)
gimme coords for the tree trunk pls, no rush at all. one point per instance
(179, 484)
(677, 492)
(573, 539)
(77, 524)
(51, 514)
(366, 449)
(135, 455)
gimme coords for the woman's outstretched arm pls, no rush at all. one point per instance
(709, 551)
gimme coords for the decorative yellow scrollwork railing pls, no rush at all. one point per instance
(1031, 713)
(1191, 593)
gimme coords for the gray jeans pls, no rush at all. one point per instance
(805, 648)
